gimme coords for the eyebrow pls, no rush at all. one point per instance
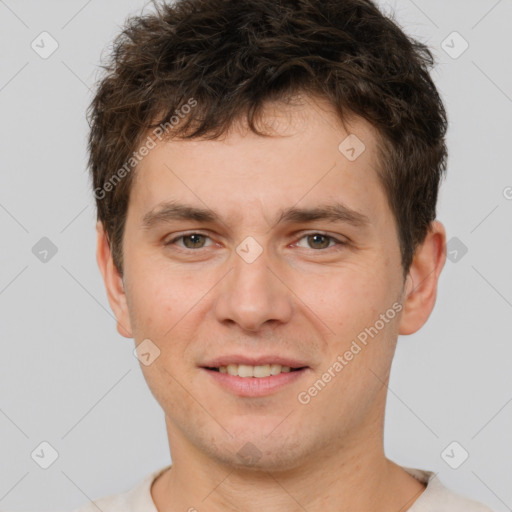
(333, 212)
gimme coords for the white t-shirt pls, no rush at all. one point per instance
(435, 498)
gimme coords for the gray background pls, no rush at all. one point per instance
(68, 378)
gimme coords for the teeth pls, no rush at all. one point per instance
(275, 369)
(245, 370)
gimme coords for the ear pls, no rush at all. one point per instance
(421, 283)
(113, 283)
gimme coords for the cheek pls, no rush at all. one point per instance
(349, 298)
(154, 302)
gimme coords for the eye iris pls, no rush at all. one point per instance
(316, 236)
(196, 240)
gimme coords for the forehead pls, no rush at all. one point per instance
(309, 158)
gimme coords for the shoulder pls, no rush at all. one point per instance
(438, 498)
(112, 503)
(137, 499)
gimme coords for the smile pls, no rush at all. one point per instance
(254, 381)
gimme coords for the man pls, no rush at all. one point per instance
(266, 176)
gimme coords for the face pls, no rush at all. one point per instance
(293, 260)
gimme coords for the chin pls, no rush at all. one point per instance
(254, 457)
(255, 449)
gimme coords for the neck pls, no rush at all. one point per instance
(356, 476)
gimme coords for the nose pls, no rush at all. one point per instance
(254, 295)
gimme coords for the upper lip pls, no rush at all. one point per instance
(253, 361)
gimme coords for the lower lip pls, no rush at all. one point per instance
(255, 386)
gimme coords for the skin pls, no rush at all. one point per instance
(299, 298)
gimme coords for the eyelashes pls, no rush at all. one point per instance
(324, 236)
(196, 238)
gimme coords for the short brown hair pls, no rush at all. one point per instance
(233, 56)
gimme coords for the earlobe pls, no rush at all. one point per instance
(420, 289)
(113, 283)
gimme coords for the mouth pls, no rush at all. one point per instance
(260, 380)
(258, 371)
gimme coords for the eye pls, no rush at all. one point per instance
(190, 241)
(321, 241)
(315, 241)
